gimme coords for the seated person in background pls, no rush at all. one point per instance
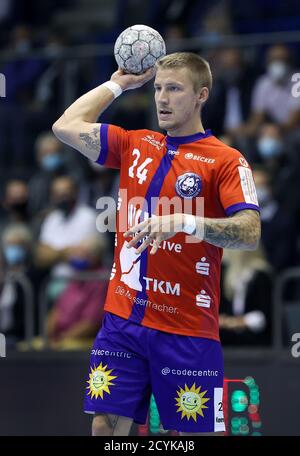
(16, 243)
(63, 229)
(15, 203)
(279, 230)
(270, 146)
(272, 97)
(102, 181)
(245, 309)
(16, 113)
(75, 318)
(230, 101)
(52, 163)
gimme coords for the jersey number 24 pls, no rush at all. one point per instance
(141, 171)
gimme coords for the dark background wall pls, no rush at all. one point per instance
(42, 393)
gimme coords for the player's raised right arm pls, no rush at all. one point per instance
(78, 126)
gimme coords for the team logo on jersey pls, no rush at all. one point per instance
(190, 156)
(243, 162)
(173, 152)
(191, 402)
(188, 185)
(151, 140)
(202, 267)
(100, 381)
(203, 299)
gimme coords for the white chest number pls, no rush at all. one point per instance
(141, 172)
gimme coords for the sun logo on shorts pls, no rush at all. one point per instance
(100, 380)
(190, 402)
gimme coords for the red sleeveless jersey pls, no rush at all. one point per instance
(177, 290)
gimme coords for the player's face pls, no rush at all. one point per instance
(177, 104)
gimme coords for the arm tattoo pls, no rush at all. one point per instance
(91, 140)
(241, 231)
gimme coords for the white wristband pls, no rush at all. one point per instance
(189, 224)
(114, 87)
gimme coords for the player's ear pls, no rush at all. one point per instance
(203, 95)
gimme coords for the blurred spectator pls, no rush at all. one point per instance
(173, 32)
(52, 163)
(100, 181)
(230, 100)
(34, 12)
(51, 86)
(21, 39)
(17, 246)
(77, 314)
(215, 24)
(64, 228)
(279, 230)
(269, 144)
(272, 96)
(245, 310)
(271, 150)
(132, 119)
(6, 17)
(15, 204)
(5, 10)
(21, 75)
(16, 242)
(286, 184)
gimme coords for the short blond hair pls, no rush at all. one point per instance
(199, 68)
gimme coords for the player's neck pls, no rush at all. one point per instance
(187, 130)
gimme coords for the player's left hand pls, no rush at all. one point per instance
(155, 230)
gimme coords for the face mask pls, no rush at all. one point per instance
(268, 147)
(65, 205)
(263, 194)
(20, 208)
(79, 264)
(51, 162)
(277, 70)
(14, 254)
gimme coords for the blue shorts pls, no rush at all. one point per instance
(185, 375)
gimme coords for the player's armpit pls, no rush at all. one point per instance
(240, 231)
(83, 136)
